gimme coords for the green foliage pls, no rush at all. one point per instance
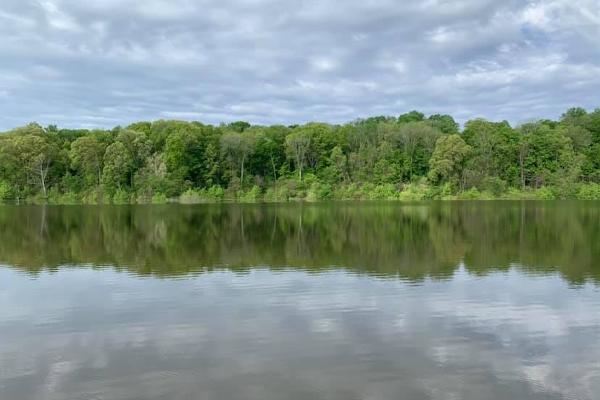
(411, 157)
(118, 164)
(251, 196)
(412, 116)
(448, 160)
(5, 191)
(297, 145)
(416, 192)
(545, 193)
(87, 156)
(121, 196)
(319, 191)
(384, 192)
(159, 198)
(444, 123)
(475, 194)
(205, 195)
(590, 191)
(494, 185)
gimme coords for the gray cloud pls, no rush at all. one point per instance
(109, 62)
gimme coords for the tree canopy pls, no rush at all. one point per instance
(377, 157)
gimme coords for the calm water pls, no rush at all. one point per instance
(486, 300)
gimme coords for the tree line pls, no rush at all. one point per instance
(410, 157)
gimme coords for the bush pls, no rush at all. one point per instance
(475, 194)
(251, 196)
(319, 191)
(159, 198)
(471, 194)
(215, 192)
(55, 197)
(5, 191)
(190, 196)
(447, 190)
(545, 193)
(416, 192)
(383, 192)
(590, 191)
(121, 196)
(193, 196)
(93, 196)
(277, 193)
(494, 185)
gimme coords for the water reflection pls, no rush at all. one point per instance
(410, 241)
(341, 301)
(84, 334)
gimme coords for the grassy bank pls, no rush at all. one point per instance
(291, 190)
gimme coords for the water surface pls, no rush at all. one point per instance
(482, 300)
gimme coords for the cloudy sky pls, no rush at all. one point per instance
(110, 62)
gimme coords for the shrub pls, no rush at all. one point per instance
(545, 193)
(590, 191)
(93, 196)
(215, 192)
(159, 198)
(383, 192)
(494, 185)
(471, 194)
(277, 193)
(251, 196)
(121, 196)
(417, 192)
(319, 191)
(5, 191)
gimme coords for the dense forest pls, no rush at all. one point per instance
(410, 157)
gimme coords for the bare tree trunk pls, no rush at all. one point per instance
(522, 167)
(43, 174)
(274, 170)
(242, 173)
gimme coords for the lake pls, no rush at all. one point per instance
(440, 300)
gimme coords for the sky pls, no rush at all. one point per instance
(102, 63)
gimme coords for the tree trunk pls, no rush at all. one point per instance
(522, 167)
(43, 174)
(274, 170)
(242, 173)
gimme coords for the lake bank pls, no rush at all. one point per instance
(315, 192)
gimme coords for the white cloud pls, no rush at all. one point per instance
(57, 18)
(323, 63)
(374, 56)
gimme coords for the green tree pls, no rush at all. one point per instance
(445, 123)
(297, 146)
(237, 148)
(87, 157)
(36, 155)
(449, 160)
(418, 141)
(411, 116)
(118, 165)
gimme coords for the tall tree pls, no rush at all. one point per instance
(449, 160)
(118, 166)
(237, 147)
(87, 156)
(297, 146)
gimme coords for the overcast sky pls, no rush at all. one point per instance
(85, 63)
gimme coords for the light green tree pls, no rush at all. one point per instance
(87, 156)
(449, 160)
(297, 146)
